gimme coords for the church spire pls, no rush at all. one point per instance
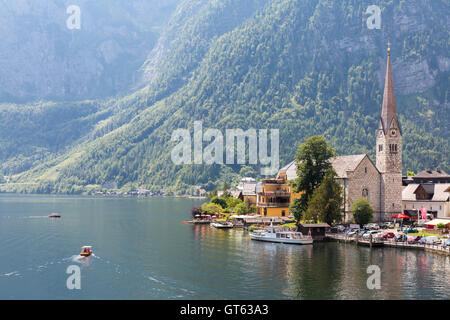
(388, 111)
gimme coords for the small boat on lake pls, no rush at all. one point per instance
(270, 234)
(222, 225)
(54, 215)
(86, 251)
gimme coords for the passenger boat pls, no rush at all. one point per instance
(86, 251)
(270, 234)
(221, 225)
(54, 215)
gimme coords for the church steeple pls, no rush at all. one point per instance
(388, 111)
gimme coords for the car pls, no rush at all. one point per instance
(372, 226)
(390, 235)
(400, 237)
(409, 230)
(430, 240)
(374, 234)
(414, 239)
(446, 244)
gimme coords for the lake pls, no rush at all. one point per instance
(142, 250)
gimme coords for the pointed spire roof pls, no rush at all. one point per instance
(388, 111)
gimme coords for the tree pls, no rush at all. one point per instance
(296, 209)
(326, 200)
(242, 208)
(410, 173)
(312, 162)
(232, 202)
(362, 211)
(211, 208)
(220, 201)
(212, 194)
(195, 211)
(225, 189)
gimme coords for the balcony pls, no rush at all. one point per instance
(273, 204)
(276, 193)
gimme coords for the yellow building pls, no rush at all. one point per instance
(275, 195)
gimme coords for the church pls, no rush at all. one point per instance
(380, 182)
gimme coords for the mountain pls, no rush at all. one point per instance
(42, 58)
(304, 67)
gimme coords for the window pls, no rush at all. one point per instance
(365, 193)
(365, 169)
(380, 147)
(283, 213)
(265, 212)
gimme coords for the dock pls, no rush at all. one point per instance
(391, 244)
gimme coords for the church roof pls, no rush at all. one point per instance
(341, 165)
(388, 111)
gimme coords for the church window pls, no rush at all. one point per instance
(365, 169)
(365, 193)
(380, 147)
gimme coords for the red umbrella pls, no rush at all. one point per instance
(400, 216)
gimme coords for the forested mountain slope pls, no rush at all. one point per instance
(304, 67)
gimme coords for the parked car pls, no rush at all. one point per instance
(372, 226)
(387, 235)
(374, 234)
(446, 243)
(409, 230)
(430, 240)
(414, 239)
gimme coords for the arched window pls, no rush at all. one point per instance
(365, 193)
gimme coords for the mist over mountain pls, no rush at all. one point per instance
(304, 67)
(41, 58)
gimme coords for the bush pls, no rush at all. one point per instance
(211, 208)
(362, 211)
(242, 208)
(440, 226)
(195, 211)
(220, 201)
(233, 202)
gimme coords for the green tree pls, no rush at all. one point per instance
(312, 161)
(211, 208)
(362, 211)
(232, 202)
(225, 189)
(220, 201)
(242, 208)
(410, 173)
(212, 194)
(326, 200)
(296, 209)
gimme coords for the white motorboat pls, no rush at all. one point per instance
(270, 234)
(221, 225)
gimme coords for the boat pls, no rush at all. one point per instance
(54, 215)
(270, 234)
(222, 225)
(86, 251)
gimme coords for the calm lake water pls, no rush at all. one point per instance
(143, 251)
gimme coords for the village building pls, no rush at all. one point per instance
(434, 197)
(379, 182)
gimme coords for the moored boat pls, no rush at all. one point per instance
(270, 234)
(221, 225)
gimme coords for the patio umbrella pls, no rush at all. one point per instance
(400, 216)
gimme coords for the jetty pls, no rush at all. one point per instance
(389, 243)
